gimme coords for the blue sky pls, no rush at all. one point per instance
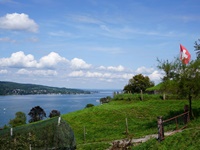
(92, 43)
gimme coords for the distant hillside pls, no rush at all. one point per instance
(12, 88)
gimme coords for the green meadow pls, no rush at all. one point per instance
(97, 127)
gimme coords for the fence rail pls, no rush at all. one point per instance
(161, 123)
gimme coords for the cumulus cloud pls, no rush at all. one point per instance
(16, 21)
(119, 68)
(77, 63)
(51, 60)
(144, 70)
(37, 72)
(76, 74)
(100, 75)
(19, 59)
(4, 71)
(156, 76)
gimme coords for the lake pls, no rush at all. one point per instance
(9, 105)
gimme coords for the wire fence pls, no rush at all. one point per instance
(49, 134)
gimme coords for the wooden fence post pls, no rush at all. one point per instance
(11, 131)
(141, 95)
(186, 116)
(84, 134)
(126, 127)
(160, 128)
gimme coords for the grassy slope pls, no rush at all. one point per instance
(106, 122)
(188, 139)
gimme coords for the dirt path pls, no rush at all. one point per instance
(119, 143)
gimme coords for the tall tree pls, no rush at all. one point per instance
(20, 119)
(185, 79)
(197, 48)
(188, 80)
(36, 114)
(138, 83)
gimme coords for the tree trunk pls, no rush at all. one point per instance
(190, 105)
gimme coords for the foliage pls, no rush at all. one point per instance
(54, 113)
(89, 105)
(169, 68)
(105, 99)
(138, 83)
(188, 79)
(36, 114)
(50, 136)
(197, 48)
(181, 79)
(20, 119)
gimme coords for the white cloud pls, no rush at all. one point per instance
(76, 74)
(37, 72)
(77, 63)
(19, 59)
(119, 68)
(51, 60)
(4, 71)
(144, 70)
(17, 21)
(156, 76)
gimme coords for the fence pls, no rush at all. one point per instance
(180, 121)
(48, 134)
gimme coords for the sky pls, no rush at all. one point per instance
(93, 44)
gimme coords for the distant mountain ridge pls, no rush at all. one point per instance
(13, 88)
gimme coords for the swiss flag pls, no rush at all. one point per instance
(185, 55)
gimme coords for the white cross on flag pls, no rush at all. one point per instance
(185, 55)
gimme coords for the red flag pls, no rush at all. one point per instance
(185, 55)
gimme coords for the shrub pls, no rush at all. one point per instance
(89, 105)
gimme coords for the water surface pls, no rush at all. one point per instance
(9, 105)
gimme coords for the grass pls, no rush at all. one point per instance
(105, 123)
(188, 139)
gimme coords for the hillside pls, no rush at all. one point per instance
(95, 128)
(12, 88)
(107, 122)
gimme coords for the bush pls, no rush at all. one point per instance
(89, 105)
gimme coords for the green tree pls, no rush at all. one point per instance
(169, 73)
(36, 114)
(54, 113)
(183, 79)
(137, 84)
(20, 119)
(188, 80)
(197, 48)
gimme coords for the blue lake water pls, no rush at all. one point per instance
(9, 105)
